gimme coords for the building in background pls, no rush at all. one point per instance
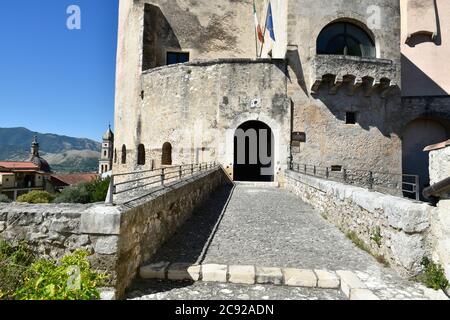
(62, 181)
(327, 90)
(425, 47)
(17, 178)
(108, 153)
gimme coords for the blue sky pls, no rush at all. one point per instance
(56, 80)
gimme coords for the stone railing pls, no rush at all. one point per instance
(391, 227)
(120, 238)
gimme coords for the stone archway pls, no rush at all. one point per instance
(254, 150)
(418, 134)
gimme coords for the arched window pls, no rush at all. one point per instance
(344, 38)
(115, 155)
(166, 154)
(141, 155)
(124, 154)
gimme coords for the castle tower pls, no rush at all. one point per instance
(106, 159)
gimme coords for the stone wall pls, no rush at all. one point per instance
(392, 227)
(55, 230)
(439, 165)
(440, 220)
(198, 106)
(119, 238)
(144, 228)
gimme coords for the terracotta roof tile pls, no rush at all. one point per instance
(75, 178)
(17, 165)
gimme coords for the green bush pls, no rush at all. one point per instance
(434, 275)
(71, 279)
(14, 262)
(4, 199)
(75, 194)
(36, 197)
(90, 192)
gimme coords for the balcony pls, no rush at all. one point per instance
(353, 73)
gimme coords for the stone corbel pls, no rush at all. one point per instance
(336, 84)
(316, 85)
(387, 88)
(355, 84)
(371, 86)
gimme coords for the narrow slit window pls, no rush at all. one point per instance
(350, 118)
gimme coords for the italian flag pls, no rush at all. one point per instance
(257, 25)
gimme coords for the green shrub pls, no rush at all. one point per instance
(376, 236)
(4, 199)
(98, 189)
(36, 197)
(14, 262)
(433, 276)
(71, 279)
(75, 194)
(90, 192)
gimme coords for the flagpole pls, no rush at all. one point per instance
(256, 32)
(256, 43)
(264, 36)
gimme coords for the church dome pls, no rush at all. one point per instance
(41, 163)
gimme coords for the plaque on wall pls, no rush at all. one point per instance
(298, 137)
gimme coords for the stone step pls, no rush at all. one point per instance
(347, 281)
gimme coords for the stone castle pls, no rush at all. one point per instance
(329, 89)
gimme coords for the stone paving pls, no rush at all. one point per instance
(267, 226)
(162, 290)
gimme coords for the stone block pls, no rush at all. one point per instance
(362, 294)
(107, 294)
(406, 215)
(269, 276)
(154, 271)
(2, 226)
(214, 273)
(183, 272)
(242, 274)
(350, 281)
(106, 245)
(100, 219)
(327, 279)
(408, 250)
(299, 278)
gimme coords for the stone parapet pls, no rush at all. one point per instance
(119, 238)
(391, 227)
(369, 74)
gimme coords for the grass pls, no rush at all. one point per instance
(362, 245)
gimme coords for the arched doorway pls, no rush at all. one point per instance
(253, 152)
(418, 134)
(166, 159)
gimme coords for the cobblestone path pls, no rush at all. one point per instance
(268, 226)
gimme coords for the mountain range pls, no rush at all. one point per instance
(64, 154)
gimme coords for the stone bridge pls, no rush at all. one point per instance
(242, 241)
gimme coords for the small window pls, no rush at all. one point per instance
(104, 153)
(336, 168)
(141, 155)
(115, 155)
(177, 57)
(350, 118)
(124, 154)
(166, 154)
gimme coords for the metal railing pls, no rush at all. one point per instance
(122, 183)
(406, 185)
